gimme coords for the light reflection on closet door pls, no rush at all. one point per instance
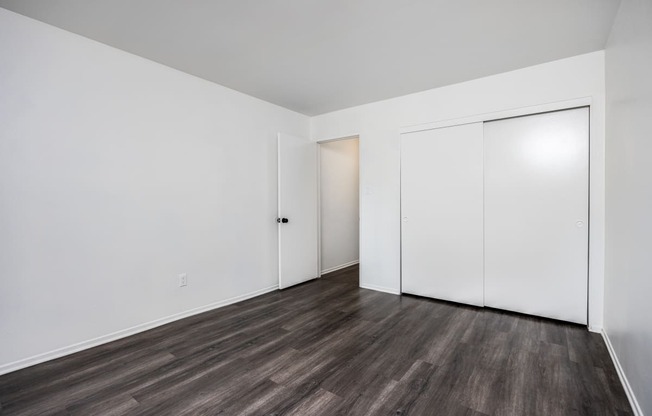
(536, 214)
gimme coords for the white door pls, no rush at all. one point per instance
(536, 214)
(441, 209)
(297, 210)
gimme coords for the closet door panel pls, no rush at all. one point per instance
(441, 209)
(536, 214)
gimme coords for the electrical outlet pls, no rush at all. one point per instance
(183, 280)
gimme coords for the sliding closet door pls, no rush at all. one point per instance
(441, 209)
(536, 214)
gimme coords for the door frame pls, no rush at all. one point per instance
(319, 143)
(595, 287)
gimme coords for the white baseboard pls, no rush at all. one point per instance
(623, 378)
(596, 329)
(380, 289)
(341, 266)
(84, 345)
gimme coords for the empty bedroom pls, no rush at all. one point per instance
(242, 207)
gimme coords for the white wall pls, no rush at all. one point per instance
(116, 174)
(339, 198)
(378, 125)
(628, 310)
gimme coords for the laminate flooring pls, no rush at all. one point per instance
(327, 347)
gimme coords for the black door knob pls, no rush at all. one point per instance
(283, 220)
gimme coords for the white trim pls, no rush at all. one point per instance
(595, 329)
(497, 115)
(319, 270)
(84, 345)
(341, 266)
(318, 206)
(351, 137)
(621, 374)
(380, 289)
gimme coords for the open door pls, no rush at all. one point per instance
(297, 211)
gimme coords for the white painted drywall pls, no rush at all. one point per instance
(378, 126)
(339, 196)
(628, 275)
(116, 174)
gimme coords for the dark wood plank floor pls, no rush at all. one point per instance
(329, 348)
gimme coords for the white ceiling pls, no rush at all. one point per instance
(316, 56)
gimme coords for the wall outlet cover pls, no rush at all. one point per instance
(183, 279)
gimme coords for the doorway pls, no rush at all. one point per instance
(339, 204)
